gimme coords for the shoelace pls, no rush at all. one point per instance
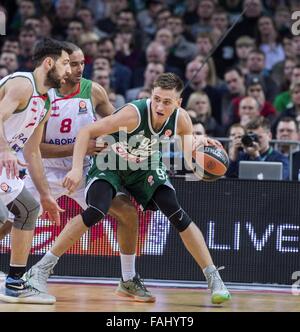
(139, 283)
(215, 277)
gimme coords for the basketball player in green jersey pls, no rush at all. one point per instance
(140, 170)
(24, 105)
(74, 105)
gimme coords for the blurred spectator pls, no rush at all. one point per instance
(284, 99)
(65, 11)
(248, 110)
(282, 72)
(255, 89)
(102, 76)
(35, 23)
(260, 150)
(11, 44)
(120, 74)
(282, 18)
(153, 70)
(101, 62)
(204, 43)
(253, 11)
(235, 133)
(26, 8)
(199, 109)
(127, 52)
(287, 130)
(269, 42)
(235, 84)
(89, 44)
(27, 38)
(46, 26)
(203, 80)
(293, 110)
(205, 11)
(190, 16)
(46, 7)
(155, 52)
(10, 61)
(256, 68)
(224, 56)
(198, 129)
(74, 31)
(3, 71)
(182, 48)
(161, 18)
(109, 22)
(146, 17)
(243, 46)
(85, 14)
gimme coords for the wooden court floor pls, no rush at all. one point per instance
(101, 298)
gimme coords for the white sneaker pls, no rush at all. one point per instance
(219, 292)
(19, 291)
(37, 276)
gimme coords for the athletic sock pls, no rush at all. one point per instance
(127, 266)
(16, 271)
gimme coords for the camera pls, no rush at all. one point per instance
(248, 139)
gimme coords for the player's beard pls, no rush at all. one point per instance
(52, 79)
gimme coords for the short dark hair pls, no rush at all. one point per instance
(288, 119)
(72, 47)
(169, 81)
(48, 47)
(234, 68)
(259, 122)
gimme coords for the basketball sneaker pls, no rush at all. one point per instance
(37, 276)
(219, 292)
(135, 289)
(19, 291)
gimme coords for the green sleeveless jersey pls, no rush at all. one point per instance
(142, 147)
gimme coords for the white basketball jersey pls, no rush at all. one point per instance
(68, 115)
(21, 124)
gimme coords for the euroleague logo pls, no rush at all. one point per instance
(82, 107)
(5, 187)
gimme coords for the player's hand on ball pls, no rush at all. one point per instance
(72, 180)
(202, 140)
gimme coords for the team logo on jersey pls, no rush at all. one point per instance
(82, 107)
(168, 133)
(5, 187)
(150, 180)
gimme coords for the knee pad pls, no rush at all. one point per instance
(26, 210)
(91, 216)
(180, 220)
(3, 213)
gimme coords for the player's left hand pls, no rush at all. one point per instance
(50, 205)
(72, 180)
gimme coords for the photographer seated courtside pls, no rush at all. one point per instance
(255, 146)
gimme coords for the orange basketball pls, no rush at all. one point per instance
(211, 162)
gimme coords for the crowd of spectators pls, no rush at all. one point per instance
(251, 82)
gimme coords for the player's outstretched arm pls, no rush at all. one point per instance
(17, 92)
(126, 118)
(33, 156)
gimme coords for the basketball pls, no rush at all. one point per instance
(211, 162)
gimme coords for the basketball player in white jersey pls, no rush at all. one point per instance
(24, 105)
(74, 105)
